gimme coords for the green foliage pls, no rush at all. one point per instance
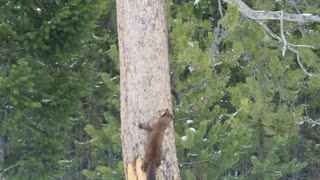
(190, 175)
(43, 71)
(52, 27)
(103, 114)
(239, 117)
(105, 138)
(102, 172)
(230, 20)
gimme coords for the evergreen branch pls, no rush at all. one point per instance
(272, 15)
(182, 119)
(219, 34)
(196, 162)
(10, 167)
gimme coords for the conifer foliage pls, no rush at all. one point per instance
(242, 100)
(245, 106)
(43, 74)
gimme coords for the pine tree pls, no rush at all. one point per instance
(42, 76)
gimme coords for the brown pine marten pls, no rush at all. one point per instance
(153, 152)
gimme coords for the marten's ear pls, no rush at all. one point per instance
(163, 113)
(167, 113)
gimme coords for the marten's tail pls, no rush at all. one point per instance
(151, 172)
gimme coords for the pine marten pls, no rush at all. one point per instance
(153, 153)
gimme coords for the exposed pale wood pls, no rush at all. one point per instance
(144, 84)
(131, 171)
(140, 173)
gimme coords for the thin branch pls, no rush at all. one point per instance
(231, 116)
(10, 167)
(300, 63)
(302, 45)
(220, 8)
(294, 5)
(310, 121)
(284, 48)
(183, 119)
(219, 34)
(307, 119)
(196, 162)
(273, 15)
(307, 4)
(269, 31)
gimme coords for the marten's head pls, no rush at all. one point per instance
(166, 117)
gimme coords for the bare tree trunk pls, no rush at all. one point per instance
(145, 82)
(2, 152)
(301, 151)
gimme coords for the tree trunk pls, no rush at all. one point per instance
(144, 84)
(301, 151)
(2, 152)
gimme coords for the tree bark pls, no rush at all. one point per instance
(2, 152)
(301, 150)
(144, 82)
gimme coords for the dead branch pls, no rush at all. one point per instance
(290, 48)
(282, 16)
(272, 15)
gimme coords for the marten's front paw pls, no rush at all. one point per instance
(145, 127)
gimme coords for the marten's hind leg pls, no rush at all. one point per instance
(144, 167)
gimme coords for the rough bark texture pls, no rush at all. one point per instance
(145, 82)
(2, 152)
